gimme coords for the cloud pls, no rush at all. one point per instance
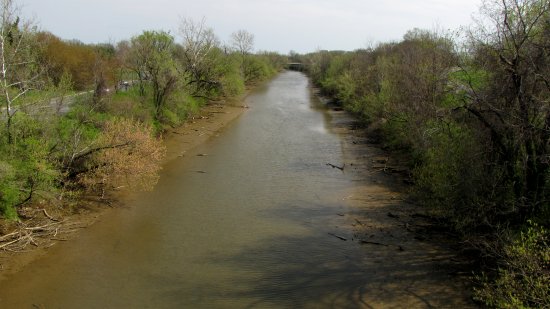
(280, 25)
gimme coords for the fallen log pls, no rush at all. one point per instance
(339, 237)
(400, 248)
(374, 243)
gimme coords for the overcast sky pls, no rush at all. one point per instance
(278, 25)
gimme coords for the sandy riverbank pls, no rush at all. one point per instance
(200, 129)
(419, 264)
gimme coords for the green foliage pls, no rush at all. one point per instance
(523, 276)
(31, 97)
(396, 133)
(256, 69)
(232, 84)
(26, 169)
(476, 128)
(131, 103)
(153, 57)
(337, 77)
(10, 193)
(180, 107)
(78, 128)
(450, 176)
(474, 77)
(461, 83)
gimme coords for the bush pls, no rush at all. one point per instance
(9, 193)
(26, 168)
(180, 107)
(450, 173)
(130, 104)
(256, 69)
(523, 277)
(120, 142)
(232, 84)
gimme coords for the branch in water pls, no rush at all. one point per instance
(336, 166)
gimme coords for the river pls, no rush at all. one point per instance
(246, 225)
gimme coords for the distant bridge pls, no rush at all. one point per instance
(296, 66)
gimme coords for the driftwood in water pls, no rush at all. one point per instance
(336, 166)
(400, 248)
(374, 243)
(339, 237)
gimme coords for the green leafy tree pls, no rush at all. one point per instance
(153, 59)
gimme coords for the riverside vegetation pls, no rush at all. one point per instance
(62, 143)
(474, 119)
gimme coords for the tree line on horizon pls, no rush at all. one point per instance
(473, 118)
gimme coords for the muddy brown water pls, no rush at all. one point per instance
(247, 225)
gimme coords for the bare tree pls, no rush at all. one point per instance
(242, 41)
(19, 71)
(199, 43)
(198, 40)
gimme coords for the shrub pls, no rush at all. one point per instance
(130, 104)
(450, 173)
(26, 169)
(232, 84)
(523, 277)
(180, 107)
(120, 142)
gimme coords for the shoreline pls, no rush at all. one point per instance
(207, 124)
(211, 120)
(393, 227)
